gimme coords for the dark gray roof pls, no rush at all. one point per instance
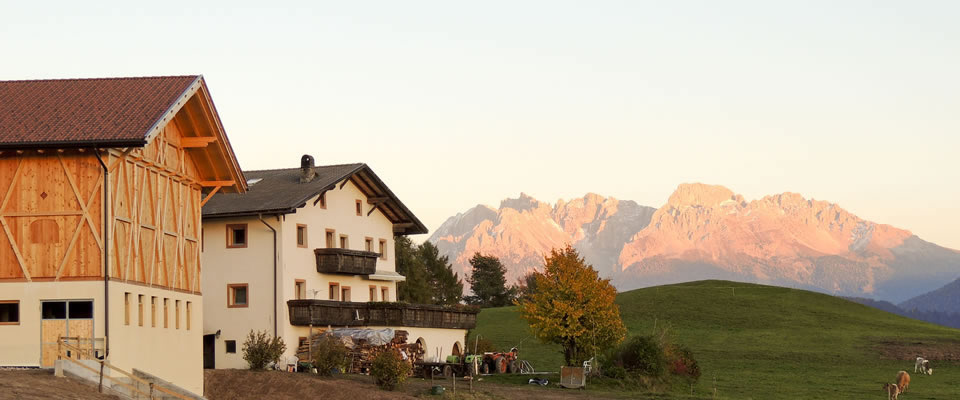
(279, 191)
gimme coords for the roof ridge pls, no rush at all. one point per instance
(296, 168)
(102, 78)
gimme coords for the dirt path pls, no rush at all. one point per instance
(244, 384)
(35, 384)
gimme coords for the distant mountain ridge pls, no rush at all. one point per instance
(707, 232)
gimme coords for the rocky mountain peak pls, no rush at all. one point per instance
(699, 194)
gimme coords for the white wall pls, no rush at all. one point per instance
(252, 265)
(20, 344)
(174, 355)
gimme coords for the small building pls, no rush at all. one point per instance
(306, 248)
(101, 184)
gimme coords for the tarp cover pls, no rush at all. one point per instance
(374, 337)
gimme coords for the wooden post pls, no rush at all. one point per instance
(100, 386)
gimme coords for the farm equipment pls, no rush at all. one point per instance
(500, 363)
(453, 365)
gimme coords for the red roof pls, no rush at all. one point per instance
(76, 112)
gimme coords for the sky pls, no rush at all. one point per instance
(455, 104)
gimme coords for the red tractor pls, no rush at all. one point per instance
(500, 363)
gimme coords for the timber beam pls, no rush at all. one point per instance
(196, 142)
(216, 183)
(377, 200)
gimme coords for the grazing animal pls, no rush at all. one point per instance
(925, 367)
(903, 381)
(919, 364)
(892, 391)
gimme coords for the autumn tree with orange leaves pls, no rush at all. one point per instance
(573, 307)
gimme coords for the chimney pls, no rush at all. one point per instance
(306, 169)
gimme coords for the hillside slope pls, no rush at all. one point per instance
(944, 299)
(770, 342)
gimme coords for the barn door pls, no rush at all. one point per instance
(69, 318)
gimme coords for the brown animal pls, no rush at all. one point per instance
(903, 381)
(892, 391)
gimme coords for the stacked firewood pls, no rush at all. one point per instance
(361, 355)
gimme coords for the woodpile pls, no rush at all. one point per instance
(361, 355)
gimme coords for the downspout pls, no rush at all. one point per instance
(106, 257)
(275, 322)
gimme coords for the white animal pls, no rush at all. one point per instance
(919, 364)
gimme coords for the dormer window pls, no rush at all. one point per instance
(236, 236)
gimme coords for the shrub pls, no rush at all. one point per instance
(683, 364)
(389, 370)
(260, 350)
(639, 355)
(480, 347)
(329, 354)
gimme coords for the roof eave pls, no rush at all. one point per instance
(73, 144)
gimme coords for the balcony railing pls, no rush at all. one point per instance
(345, 313)
(345, 261)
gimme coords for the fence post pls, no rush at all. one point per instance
(100, 387)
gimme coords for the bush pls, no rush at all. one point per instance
(480, 347)
(329, 354)
(260, 350)
(683, 364)
(640, 356)
(389, 370)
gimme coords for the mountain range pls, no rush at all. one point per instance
(706, 232)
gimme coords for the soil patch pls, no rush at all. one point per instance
(937, 349)
(37, 384)
(228, 384)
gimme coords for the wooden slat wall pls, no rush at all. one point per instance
(156, 219)
(51, 214)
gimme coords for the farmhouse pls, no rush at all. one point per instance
(308, 248)
(101, 184)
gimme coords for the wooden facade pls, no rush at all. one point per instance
(52, 207)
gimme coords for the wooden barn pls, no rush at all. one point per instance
(101, 187)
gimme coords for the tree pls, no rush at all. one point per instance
(526, 286)
(446, 286)
(416, 288)
(488, 282)
(573, 307)
(260, 349)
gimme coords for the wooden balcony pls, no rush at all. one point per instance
(345, 313)
(345, 261)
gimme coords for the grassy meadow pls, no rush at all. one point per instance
(764, 342)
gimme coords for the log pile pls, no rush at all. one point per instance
(361, 354)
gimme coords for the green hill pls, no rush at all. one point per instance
(767, 342)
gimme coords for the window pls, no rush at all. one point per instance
(237, 295)
(80, 309)
(300, 289)
(153, 311)
(176, 322)
(373, 293)
(383, 249)
(54, 310)
(166, 312)
(301, 235)
(368, 244)
(236, 236)
(189, 312)
(231, 346)
(9, 312)
(384, 293)
(330, 238)
(323, 200)
(334, 291)
(140, 310)
(126, 308)
(344, 242)
(359, 208)
(345, 293)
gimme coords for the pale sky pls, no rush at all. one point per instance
(455, 103)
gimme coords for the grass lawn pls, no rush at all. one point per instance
(765, 342)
